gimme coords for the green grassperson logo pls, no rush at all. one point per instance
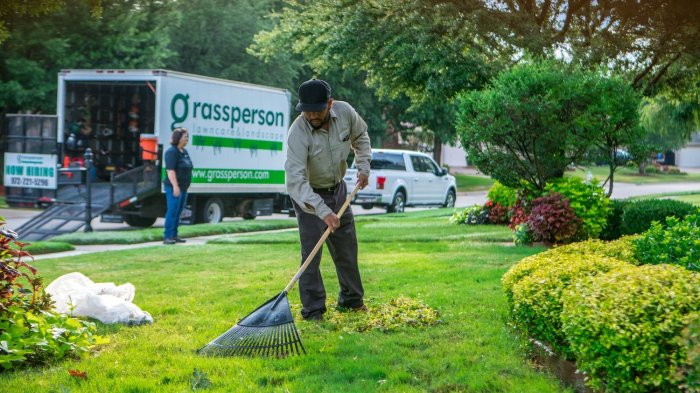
(180, 111)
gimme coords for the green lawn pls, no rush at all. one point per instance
(196, 293)
(631, 175)
(154, 234)
(689, 197)
(467, 183)
(3, 203)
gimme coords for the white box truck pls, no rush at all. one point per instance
(237, 141)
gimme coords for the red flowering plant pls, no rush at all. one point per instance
(30, 332)
(498, 214)
(552, 220)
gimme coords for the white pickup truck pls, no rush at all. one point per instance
(401, 178)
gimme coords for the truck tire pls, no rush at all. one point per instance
(367, 206)
(398, 204)
(212, 211)
(450, 198)
(138, 221)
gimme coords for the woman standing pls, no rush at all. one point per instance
(178, 170)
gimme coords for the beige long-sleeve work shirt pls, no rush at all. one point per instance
(317, 158)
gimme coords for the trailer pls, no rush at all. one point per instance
(125, 117)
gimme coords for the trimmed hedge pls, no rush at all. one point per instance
(638, 215)
(624, 326)
(620, 249)
(535, 299)
(677, 244)
(688, 373)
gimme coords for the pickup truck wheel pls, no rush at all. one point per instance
(138, 221)
(450, 199)
(367, 206)
(398, 205)
(212, 212)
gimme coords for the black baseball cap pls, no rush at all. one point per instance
(313, 96)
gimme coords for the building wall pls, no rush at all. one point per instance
(454, 156)
(689, 156)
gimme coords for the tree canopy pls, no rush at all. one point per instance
(127, 34)
(538, 118)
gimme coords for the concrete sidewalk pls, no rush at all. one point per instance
(191, 241)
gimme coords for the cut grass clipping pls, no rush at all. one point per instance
(398, 313)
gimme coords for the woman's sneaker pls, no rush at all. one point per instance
(169, 241)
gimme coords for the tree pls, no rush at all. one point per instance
(614, 108)
(538, 118)
(128, 34)
(408, 49)
(211, 38)
(643, 40)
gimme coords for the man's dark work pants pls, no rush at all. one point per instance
(342, 245)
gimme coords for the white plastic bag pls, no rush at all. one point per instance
(77, 295)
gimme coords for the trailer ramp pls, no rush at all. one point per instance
(67, 213)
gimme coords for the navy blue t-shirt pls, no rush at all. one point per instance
(182, 165)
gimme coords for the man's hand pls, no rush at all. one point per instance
(176, 191)
(332, 221)
(362, 180)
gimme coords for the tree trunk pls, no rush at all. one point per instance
(610, 180)
(437, 149)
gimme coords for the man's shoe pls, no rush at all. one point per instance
(178, 239)
(169, 241)
(361, 308)
(315, 317)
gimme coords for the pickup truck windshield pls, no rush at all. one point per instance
(386, 161)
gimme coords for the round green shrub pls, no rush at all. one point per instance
(613, 224)
(651, 170)
(678, 243)
(588, 201)
(623, 327)
(498, 193)
(638, 215)
(536, 304)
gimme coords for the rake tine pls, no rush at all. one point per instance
(289, 342)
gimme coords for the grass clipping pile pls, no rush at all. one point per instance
(399, 313)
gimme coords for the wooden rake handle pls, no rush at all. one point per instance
(321, 241)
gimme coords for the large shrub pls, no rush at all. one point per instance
(535, 299)
(503, 195)
(552, 220)
(588, 201)
(29, 332)
(613, 224)
(677, 243)
(624, 326)
(538, 117)
(638, 215)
